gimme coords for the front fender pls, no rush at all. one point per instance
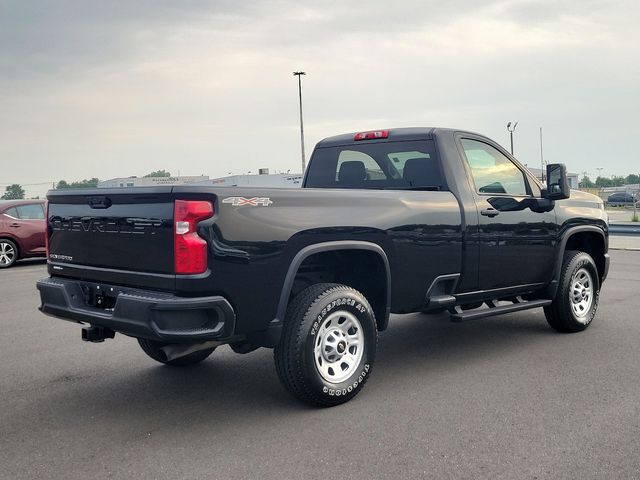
(562, 246)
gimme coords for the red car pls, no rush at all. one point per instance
(22, 230)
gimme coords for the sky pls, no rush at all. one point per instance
(108, 89)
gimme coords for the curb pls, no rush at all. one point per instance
(629, 249)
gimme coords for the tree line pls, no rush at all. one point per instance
(16, 192)
(613, 181)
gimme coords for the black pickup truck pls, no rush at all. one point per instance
(389, 221)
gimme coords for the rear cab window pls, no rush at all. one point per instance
(402, 165)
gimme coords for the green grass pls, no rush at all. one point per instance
(635, 218)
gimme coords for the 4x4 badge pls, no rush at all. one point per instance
(254, 202)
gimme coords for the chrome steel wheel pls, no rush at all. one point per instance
(339, 346)
(581, 294)
(7, 253)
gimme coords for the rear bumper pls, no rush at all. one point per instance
(139, 313)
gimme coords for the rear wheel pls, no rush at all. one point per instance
(576, 301)
(154, 350)
(8, 253)
(328, 345)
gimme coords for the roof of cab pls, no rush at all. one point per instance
(395, 135)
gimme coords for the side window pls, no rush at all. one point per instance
(11, 212)
(493, 172)
(30, 212)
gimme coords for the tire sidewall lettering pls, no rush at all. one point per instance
(588, 264)
(349, 388)
(340, 302)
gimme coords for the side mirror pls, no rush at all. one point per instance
(557, 183)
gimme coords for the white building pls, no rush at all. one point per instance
(264, 179)
(151, 181)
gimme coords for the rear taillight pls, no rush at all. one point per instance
(190, 250)
(46, 228)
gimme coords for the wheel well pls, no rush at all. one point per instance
(591, 243)
(363, 270)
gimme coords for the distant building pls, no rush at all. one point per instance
(151, 181)
(264, 179)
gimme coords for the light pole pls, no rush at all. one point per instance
(636, 200)
(541, 157)
(299, 75)
(510, 130)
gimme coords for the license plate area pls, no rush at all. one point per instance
(100, 296)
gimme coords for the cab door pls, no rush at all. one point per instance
(517, 240)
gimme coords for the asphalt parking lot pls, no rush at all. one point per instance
(503, 397)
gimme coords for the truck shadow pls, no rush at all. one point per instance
(244, 388)
(428, 342)
(28, 262)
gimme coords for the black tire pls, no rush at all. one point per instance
(8, 253)
(153, 349)
(561, 314)
(311, 317)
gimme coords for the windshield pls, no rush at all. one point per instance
(387, 165)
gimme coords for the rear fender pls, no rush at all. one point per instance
(382, 316)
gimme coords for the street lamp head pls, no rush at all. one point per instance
(299, 73)
(508, 125)
(515, 125)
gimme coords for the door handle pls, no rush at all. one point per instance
(15, 225)
(489, 212)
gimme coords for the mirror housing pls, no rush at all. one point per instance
(557, 182)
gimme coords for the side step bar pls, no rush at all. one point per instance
(459, 315)
(442, 301)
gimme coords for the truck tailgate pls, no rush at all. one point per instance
(116, 233)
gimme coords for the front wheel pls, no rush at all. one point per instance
(328, 345)
(578, 293)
